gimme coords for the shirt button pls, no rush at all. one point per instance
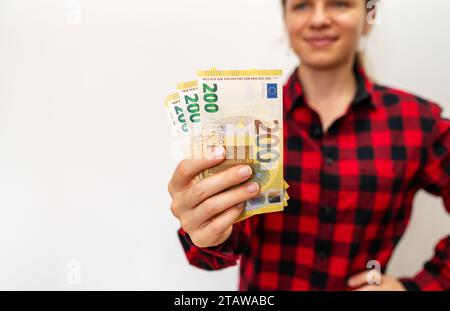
(328, 209)
(327, 214)
(322, 254)
(317, 132)
(329, 161)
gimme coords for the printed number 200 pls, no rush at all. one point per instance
(210, 97)
(267, 141)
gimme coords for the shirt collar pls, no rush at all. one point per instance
(364, 91)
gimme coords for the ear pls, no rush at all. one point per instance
(367, 28)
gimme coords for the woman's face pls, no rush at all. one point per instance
(325, 33)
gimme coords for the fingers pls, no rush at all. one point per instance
(188, 169)
(369, 288)
(358, 280)
(366, 278)
(219, 229)
(382, 283)
(222, 201)
(215, 184)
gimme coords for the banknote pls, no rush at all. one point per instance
(188, 94)
(241, 111)
(177, 118)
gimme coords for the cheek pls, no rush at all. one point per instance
(351, 31)
(294, 28)
(351, 25)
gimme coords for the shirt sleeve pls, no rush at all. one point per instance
(223, 255)
(435, 179)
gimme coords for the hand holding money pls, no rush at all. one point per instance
(239, 112)
(207, 209)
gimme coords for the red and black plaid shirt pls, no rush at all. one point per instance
(351, 192)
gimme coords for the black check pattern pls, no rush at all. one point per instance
(351, 192)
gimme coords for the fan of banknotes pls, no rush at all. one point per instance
(241, 111)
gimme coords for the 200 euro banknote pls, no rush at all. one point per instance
(242, 112)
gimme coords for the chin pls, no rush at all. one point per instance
(323, 59)
(321, 63)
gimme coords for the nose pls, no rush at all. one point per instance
(319, 17)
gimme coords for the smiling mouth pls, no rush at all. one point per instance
(320, 42)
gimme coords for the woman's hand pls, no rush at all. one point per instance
(367, 281)
(207, 209)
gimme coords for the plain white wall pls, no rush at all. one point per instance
(85, 144)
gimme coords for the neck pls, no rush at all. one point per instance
(332, 88)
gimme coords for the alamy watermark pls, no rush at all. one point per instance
(374, 275)
(372, 12)
(73, 12)
(73, 272)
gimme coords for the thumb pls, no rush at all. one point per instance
(189, 168)
(358, 279)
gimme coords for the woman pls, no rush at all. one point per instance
(355, 155)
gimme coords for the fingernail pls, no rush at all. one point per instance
(215, 153)
(252, 188)
(245, 171)
(219, 152)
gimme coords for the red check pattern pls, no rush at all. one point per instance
(351, 193)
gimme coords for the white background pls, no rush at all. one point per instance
(85, 144)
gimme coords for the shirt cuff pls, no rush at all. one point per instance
(409, 284)
(226, 248)
(424, 281)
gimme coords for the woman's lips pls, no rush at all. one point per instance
(321, 42)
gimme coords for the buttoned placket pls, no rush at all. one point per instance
(328, 197)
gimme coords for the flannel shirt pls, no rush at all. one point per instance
(351, 193)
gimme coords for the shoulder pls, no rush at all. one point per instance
(398, 102)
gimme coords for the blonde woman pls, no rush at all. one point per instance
(356, 152)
